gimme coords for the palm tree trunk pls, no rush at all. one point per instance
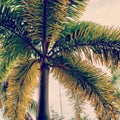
(43, 109)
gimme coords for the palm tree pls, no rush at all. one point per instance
(38, 37)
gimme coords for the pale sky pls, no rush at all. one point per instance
(104, 12)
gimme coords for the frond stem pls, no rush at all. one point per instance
(23, 38)
(113, 47)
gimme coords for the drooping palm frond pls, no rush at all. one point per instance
(33, 107)
(77, 102)
(102, 41)
(14, 42)
(90, 83)
(12, 21)
(21, 83)
(11, 48)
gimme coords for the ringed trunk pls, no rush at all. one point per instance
(43, 109)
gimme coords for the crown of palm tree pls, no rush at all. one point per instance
(39, 33)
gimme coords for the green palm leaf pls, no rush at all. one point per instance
(103, 42)
(12, 21)
(90, 83)
(33, 106)
(50, 20)
(77, 103)
(21, 83)
(12, 48)
(76, 8)
(44, 30)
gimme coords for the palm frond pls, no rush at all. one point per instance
(46, 22)
(17, 48)
(3, 70)
(77, 103)
(12, 48)
(115, 77)
(2, 96)
(90, 83)
(76, 8)
(12, 21)
(9, 2)
(21, 84)
(102, 41)
(13, 4)
(32, 13)
(33, 106)
(28, 117)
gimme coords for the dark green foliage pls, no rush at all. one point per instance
(103, 42)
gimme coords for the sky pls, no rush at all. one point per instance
(104, 12)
